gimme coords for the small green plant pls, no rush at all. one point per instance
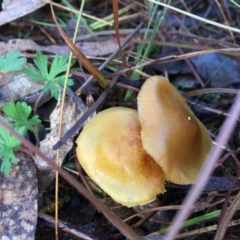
(8, 144)
(19, 114)
(53, 77)
(11, 62)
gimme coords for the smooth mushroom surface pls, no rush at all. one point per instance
(171, 133)
(110, 151)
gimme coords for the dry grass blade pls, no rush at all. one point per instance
(222, 227)
(173, 58)
(210, 90)
(197, 17)
(66, 227)
(225, 19)
(112, 55)
(204, 230)
(75, 11)
(190, 65)
(116, 27)
(79, 55)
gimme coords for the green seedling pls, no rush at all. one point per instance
(54, 77)
(8, 144)
(19, 114)
(11, 62)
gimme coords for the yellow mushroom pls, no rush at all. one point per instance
(110, 151)
(171, 133)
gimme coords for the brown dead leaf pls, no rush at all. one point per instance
(13, 9)
(90, 49)
(18, 200)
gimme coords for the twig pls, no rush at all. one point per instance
(69, 228)
(222, 227)
(111, 56)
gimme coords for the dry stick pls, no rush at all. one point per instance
(112, 56)
(7, 87)
(69, 228)
(143, 220)
(173, 58)
(172, 207)
(117, 222)
(85, 116)
(204, 230)
(207, 108)
(71, 10)
(187, 61)
(116, 27)
(228, 216)
(196, 17)
(82, 176)
(210, 90)
(206, 171)
(225, 211)
(91, 68)
(111, 32)
(78, 53)
(225, 19)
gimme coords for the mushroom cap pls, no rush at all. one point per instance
(110, 151)
(171, 133)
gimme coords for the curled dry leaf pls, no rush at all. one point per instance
(71, 113)
(18, 200)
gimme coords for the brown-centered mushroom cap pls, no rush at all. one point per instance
(110, 151)
(171, 133)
